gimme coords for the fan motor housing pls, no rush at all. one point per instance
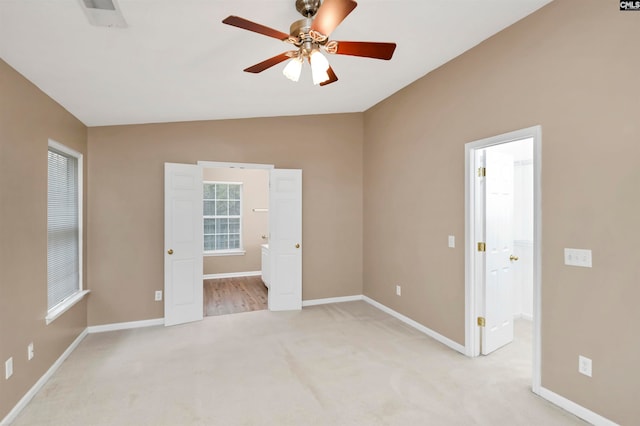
(300, 27)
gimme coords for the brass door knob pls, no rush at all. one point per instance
(170, 251)
(513, 258)
(297, 245)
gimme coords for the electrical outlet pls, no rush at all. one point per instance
(30, 351)
(398, 290)
(584, 365)
(158, 296)
(8, 368)
(452, 241)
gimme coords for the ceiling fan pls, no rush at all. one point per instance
(310, 35)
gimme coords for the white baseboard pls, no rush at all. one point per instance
(125, 325)
(314, 302)
(435, 335)
(573, 408)
(232, 275)
(42, 381)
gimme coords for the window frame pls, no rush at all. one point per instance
(66, 304)
(226, 252)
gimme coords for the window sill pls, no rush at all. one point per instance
(225, 253)
(64, 306)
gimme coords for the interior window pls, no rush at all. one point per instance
(222, 209)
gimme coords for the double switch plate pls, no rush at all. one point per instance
(577, 257)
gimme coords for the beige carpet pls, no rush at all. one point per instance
(339, 364)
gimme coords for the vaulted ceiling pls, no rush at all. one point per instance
(176, 61)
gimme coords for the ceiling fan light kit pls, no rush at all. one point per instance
(293, 69)
(310, 36)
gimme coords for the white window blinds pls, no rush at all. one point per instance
(63, 257)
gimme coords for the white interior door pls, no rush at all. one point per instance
(183, 237)
(498, 277)
(285, 240)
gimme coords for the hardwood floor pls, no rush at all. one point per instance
(233, 295)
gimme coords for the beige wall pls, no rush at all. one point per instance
(255, 195)
(28, 118)
(126, 206)
(573, 68)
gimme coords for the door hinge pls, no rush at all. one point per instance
(482, 172)
(481, 321)
(482, 247)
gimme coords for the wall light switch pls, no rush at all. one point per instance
(452, 241)
(577, 257)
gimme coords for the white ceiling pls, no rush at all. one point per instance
(176, 61)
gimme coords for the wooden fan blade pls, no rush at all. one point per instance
(268, 63)
(366, 49)
(330, 14)
(332, 77)
(239, 22)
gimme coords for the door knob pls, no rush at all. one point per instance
(297, 245)
(170, 251)
(513, 258)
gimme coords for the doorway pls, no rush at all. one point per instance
(502, 267)
(184, 226)
(236, 229)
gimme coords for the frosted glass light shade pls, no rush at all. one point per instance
(293, 69)
(319, 67)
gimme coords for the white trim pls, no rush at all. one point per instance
(234, 252)
(471, 333)
(222, 164)
(231, 275)
(433, 334)
(314, 302)
(575, 409)
(222, 182)
(24, 401)
(125, 325)
(64, 306)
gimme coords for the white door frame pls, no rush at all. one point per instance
(472, 332)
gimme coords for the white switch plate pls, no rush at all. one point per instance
(452, 241)
(577, 257)
(30, 351)
(158, 296)
(8, 368)
(398, 290)
(584, 365)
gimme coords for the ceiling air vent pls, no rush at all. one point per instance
(103, 13)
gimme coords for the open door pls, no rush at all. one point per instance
(498, 277)
(285, 240)
(183, 238)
